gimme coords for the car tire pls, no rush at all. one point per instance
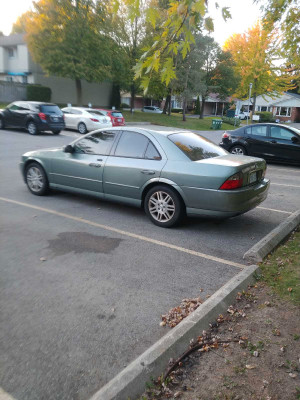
(36, 179)
(157, 200)
(82, 128)
(56, 132)
(32, 128)
(238, 150)
(2, 123)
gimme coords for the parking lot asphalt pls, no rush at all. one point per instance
(84, 282)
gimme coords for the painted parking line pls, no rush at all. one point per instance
(284, 184)
(273, 209)
(125, 233)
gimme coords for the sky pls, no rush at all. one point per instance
(244, 15)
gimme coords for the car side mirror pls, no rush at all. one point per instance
(68, 149)
(295, 139)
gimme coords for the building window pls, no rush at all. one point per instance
(284, 111)
(11, 52)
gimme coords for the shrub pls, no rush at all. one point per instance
(176, 110)
(232, 121)
(124, 105)
(265, 116)
(197, 109)
(38, 93)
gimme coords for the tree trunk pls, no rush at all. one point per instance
(170, 103)
(183, 110)
(132, 93)
(168, 100)
(202, 107)
(78, 92)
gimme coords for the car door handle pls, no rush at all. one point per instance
(95, 165)
(274, 141)
(147, 172)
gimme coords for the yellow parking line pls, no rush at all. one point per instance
(273, 209)
(125, 233)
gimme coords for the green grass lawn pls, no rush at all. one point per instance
(174, 120)
(281, 270)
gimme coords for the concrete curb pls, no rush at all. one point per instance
(130, 383)
(259, 251)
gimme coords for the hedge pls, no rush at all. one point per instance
(176, 110)
(232, 121)
(265, 116)
(38, 93)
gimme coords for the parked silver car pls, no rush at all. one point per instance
(85, 119)
(170, 174)
(152, 109)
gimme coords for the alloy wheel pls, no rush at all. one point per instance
(161, 206)
(32, 128)
(35, 179)
(237, 150)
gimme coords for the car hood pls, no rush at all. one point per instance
(44, 152)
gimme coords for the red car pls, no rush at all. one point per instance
(116, 117)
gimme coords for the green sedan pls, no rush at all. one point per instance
(169, 174)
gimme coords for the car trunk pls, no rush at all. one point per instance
(252, 168)
(53, 115)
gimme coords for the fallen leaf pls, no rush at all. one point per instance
(43, 259)
(290, 289)
(250, 366)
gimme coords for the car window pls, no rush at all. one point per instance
(95, 112)
(196, 147)
(77, 112)
(151, 152)
(259, 130)
(24, 106)
(50, 109)
(66, 111)
(281, 133)
(117, 114)
(132, 144)
(96, 143)
(13, 107)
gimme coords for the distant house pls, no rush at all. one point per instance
(17, 66)
(285, 108)
(213, 104)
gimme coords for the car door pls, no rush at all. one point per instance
(12, 115)
(284, 149)
(83, 169)
(67, 114)
(134, 161)
(258, 140)
(24, 111)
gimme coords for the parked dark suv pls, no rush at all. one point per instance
(34, 116)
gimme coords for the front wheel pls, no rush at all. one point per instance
(56, 132)
(82, 128)
(36, 179)
(164, 206)
(32, 128)
(239, 150)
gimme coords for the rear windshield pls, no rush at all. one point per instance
(117, 114)
(51, 109)
(95, 112)
(196, 147)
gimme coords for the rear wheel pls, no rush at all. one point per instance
(36, 179)
(238, 149)
(164, 206)
(56, 132)
(82, 128)
(32, 128)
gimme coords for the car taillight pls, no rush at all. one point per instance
(234, 182)
(94, 120)
(42, 116)
(226, 136)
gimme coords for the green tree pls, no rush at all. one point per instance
(64, 38)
